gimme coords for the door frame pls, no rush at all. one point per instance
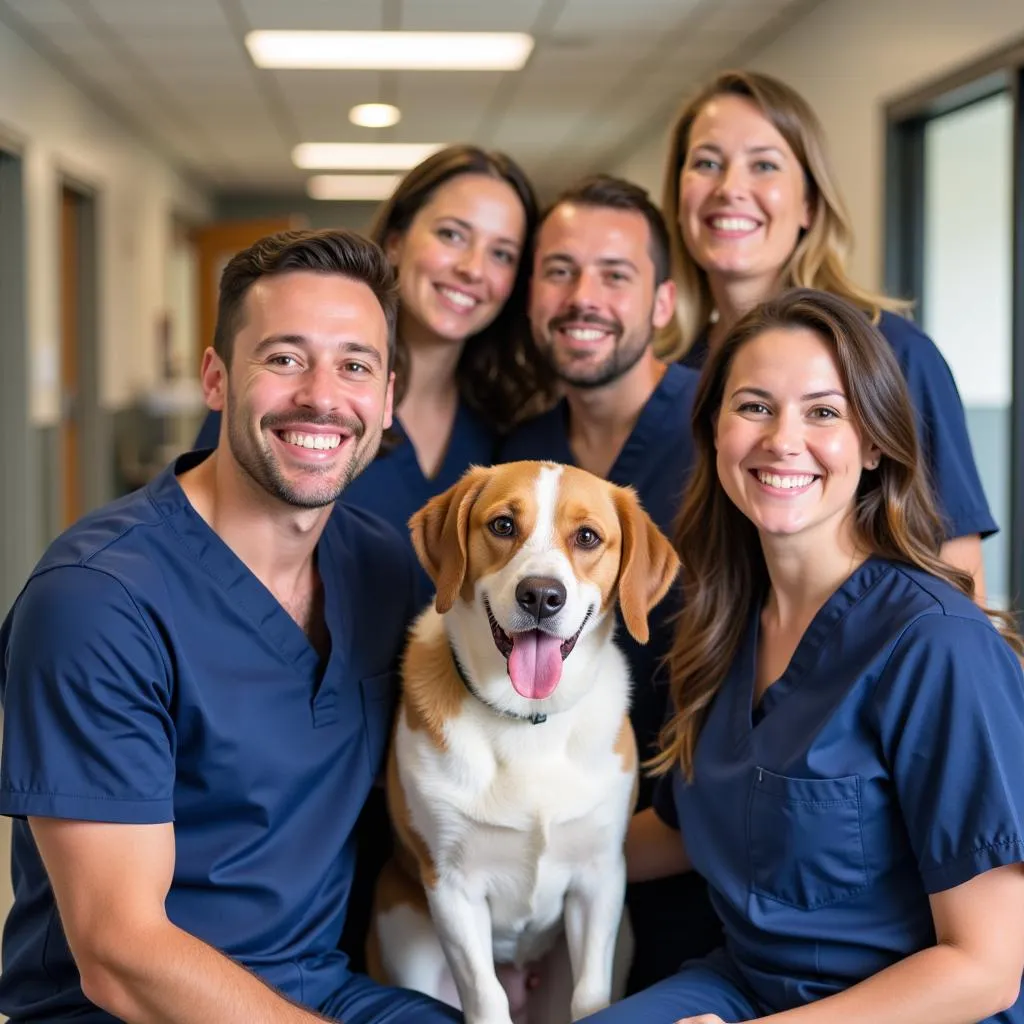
(20, 494)
(95, 470)
(906, 117)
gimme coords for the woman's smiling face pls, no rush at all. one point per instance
(458, 258)
(789, 453)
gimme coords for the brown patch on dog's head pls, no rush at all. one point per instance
(446, 533)
(634, 561)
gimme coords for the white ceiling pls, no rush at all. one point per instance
(603, 74)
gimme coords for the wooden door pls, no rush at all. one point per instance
(215, 244)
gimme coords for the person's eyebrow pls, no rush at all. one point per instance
(557, 257)
(469, 229)
(616, 261)
(714, 148)
(279, 339)
(811, 396)
(603, 261)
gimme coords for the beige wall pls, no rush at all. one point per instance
(848, 58)
(60, 133)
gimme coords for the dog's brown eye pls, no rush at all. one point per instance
(502, 526)
(587, 538)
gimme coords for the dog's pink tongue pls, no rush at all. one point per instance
(535, 664)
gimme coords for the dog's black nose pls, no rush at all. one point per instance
(540, 596)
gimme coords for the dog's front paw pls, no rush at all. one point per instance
(491, 1018)
(586, 1001)
(488, 1012)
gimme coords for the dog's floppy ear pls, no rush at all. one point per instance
(648, 567)
(440, 535)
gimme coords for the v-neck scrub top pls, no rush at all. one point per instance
(148, 676)
(394, 486)
(885, 764)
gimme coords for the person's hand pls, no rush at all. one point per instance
(703, 1018)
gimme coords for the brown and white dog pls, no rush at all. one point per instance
(512, 773)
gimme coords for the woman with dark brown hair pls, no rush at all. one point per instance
(845, 759)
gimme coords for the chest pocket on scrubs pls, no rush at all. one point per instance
(379, 693)
(806, 847)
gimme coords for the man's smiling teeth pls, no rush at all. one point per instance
(585, 333)
(733, 223)
(785, 483)
(320, 441)
(459, 298)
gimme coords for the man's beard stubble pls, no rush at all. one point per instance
(261, 466)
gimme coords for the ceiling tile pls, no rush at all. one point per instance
(350, 15)
(157, 12)
(473, 15)
(602, 71)
(45, 12)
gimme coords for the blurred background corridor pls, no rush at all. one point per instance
(142, 142)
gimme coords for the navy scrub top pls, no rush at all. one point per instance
(148, 676)
(393, 485)
(656, 461)
(884, 764)
(942, 426)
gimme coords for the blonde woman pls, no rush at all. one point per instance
(753, 207)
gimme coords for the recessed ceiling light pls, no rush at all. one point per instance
(362, 156)
(414, 51)
(352, 186)
(374, 115)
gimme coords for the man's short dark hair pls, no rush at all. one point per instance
(605, 191)
(331, 251)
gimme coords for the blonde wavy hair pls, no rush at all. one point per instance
(819, 259)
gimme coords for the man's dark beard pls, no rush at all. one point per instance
(619, 363)
(263, 471)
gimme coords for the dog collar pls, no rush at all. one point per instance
(536, 719)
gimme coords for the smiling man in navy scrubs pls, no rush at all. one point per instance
(197, 684)
(601, 288)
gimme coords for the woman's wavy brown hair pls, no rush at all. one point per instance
(500, 373)
(819, 259)
(723, 566)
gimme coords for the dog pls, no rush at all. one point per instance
(512, 772)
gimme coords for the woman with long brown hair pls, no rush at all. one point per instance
(753, 207)
(844, 762)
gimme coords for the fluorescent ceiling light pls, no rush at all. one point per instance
(374, 115)
(352, 186)
(411, 51)
(362, 156)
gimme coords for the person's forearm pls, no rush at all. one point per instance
(939, 985)
(653, 850)
(167, 976)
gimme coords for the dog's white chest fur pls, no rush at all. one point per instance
(513, 811)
